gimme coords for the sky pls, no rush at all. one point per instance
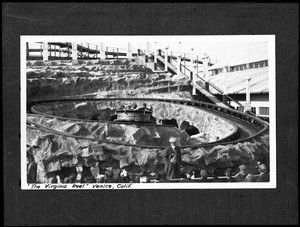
(226, 52)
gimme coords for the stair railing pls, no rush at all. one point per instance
(150, 59)
(210, 83)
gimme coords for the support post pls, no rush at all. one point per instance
(74, 51)
(192, 60)
(166, 59)
(102, 50)
(178, 65)
(155, 56)
(248, 101)
(205, 71)
(184, 62)
(68, 50)
(27, 51)
(224, 85)
(50, 52)
(45, 51)
(197, 69)
(148, 51)
(178, 59)
(193, 76)
(194, 83)
(129, 50)
(141, 57)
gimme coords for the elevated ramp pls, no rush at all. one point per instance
(200, 86)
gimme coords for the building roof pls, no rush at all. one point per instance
(236, 84)
(249, 53)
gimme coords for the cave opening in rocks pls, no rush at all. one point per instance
(152, 119)
(192, 130)
(189, 129)
(113, 117)
(170, 122)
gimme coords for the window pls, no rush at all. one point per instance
(263, 110)
(253, 110)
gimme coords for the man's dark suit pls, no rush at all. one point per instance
(172, 169)
(264, 177)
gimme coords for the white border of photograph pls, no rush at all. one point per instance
(163, 39)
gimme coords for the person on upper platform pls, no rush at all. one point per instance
(144, 107)
(134, 106)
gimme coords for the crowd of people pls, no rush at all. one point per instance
(111, 175)
(243, 175)
(173, 171)
(99, 175)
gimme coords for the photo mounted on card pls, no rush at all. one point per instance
(148, 112)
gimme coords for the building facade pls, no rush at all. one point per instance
(231, 79)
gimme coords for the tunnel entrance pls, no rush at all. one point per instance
(170, 122)
(192, 130)
(189, 129)
(113, 117)
(185, 126)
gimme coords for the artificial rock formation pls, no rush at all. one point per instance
(99, 78)
(52, 152)
(136, 147)
(213, 126)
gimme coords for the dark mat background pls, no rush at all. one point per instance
(272, 206)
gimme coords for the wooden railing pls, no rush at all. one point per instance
(210, 83)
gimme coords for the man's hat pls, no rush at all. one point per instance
(109, 169)
(242, 167)
(85, 152)
(172, 140)
(204, 173)
(262, 168)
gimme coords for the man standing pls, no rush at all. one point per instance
(172, 160)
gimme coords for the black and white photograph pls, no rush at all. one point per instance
(148, 112)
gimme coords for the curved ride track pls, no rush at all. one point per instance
(246, 126)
